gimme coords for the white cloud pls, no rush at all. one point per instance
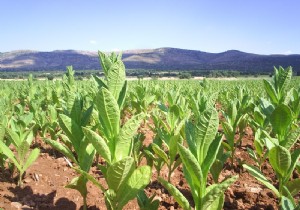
(93, 42)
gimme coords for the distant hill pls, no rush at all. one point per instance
(158, 59)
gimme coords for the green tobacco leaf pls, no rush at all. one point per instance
(260, 177)
(8, 153)
(100, 82)
(284, 79)
(214, 192)
(294, 161)
(90, 178)
(105, 62)
(271, 91)
(138, 180)
(62, 149)
(119, 172)
(280, 159)
(291, 139)
(217, 204)
(31, 158)
(13, 136)
(159, 152)
(293, 186)
(191, 164)
(22, 151)
(75, 113)
(286, 204)
(124, 140)
(181, 200)
(281, 119)
(109, 113)
(86, 157)
(86, 116)
(99, 143)
(116, 78)
(211, 155)
(229, 133)
(2, 132)
(72, 130)
(122, 95)
(208, 127)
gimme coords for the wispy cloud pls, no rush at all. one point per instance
(93, 42)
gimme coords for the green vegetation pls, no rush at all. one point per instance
(197, 125)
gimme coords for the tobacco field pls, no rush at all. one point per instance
(109, 143)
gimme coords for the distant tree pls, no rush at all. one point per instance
(185, 75)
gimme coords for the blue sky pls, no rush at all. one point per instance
(256, 26)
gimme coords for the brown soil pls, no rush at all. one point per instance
(45, 180)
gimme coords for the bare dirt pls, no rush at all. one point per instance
(44, 183)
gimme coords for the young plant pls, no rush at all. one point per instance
(115, 142)
(21, 137)
(197, 159)
(74, 145)
(282, 157)
(168, 132)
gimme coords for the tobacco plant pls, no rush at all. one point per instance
(197, 159)
(115, 142)
(20, 134)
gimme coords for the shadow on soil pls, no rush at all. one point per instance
(30, 200)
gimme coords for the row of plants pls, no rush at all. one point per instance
(101, 119)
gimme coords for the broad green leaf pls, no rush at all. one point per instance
(99, 143)
(124, 140)
(14, 137)
(229, 133)
(190, 135)
(281, 119)
(100, 82)
(181, 200)
(116, 78)
(31, 158)
(292, 137)
(211, 155)
(122, 95)
(105, 61)
(293, 186)
(280, 159)
(62, 149)
(86, 116)
(2, 132)
(260, 177)
(22, 151)
(109, 113)
(217, 204)
(8, 153)
(207, 128)
(271, 91)
(214, 191)
(76, 110)
(138, 180)
(191, 164)
(284, 79)
(72, 130)
(159, 152)
(90, 178)
(86, 157)
(286, 204)
(294, 161)
(119, 172)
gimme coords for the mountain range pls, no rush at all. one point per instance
(156, 59)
